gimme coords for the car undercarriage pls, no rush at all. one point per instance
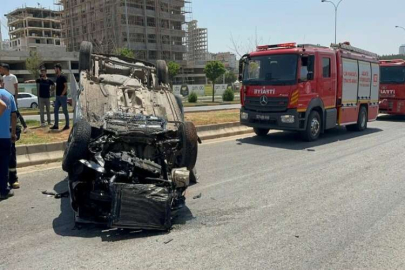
(130, 155)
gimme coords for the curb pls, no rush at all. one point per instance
(29, 155)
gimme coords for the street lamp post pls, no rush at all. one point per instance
(336, 10)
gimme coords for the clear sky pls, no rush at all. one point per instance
(368, 24)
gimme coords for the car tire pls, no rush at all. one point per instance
(86, 49)
(314, 127)
(362, 120)
(180, 104)
(162, 72)
(189, 140)
(77, 145)
(34, 105)
(261, 132)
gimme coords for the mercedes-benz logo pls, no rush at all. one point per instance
(263, 100)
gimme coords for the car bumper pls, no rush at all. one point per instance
(272, 120)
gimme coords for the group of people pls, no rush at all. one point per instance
(10, 118)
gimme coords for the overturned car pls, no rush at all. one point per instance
(130, 155)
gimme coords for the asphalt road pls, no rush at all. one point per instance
(187, 109)
(266, 203)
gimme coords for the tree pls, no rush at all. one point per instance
(174, 69)
(230, 77)
(213, 70)
(125, 52)
(33, 63)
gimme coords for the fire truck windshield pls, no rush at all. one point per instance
(278, 69)
(392, 74)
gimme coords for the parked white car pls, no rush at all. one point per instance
(27, 100)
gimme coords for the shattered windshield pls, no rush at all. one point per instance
(392, 74)
(271, 70)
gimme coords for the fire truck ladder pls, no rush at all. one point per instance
(348, 47)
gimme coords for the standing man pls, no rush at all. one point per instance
(61, 97)
(6, 139)
(44, 93)
(11, 85)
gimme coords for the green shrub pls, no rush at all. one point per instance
(192, 98)
(228, 95)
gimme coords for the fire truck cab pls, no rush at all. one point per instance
(308, 88)
(392, 87)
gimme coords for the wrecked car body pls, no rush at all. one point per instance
(130, 155)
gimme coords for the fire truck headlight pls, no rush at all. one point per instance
(288, 119)
(244, 115)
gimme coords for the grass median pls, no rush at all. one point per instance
(37, 134)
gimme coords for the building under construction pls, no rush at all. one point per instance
(197, 55)
(152, 29)
(31, 27)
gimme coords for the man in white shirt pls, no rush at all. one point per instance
(10, 83)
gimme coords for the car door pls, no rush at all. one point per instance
(23, 101)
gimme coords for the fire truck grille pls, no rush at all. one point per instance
(272, 105)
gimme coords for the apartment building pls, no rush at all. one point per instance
(153, 29)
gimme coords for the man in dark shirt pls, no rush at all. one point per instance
(44, 93)
(61, 97)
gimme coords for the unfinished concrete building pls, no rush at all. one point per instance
(197, 56)
(153, 29)
(35, 28)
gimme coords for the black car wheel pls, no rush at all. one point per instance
(86, 49)
(189, 144)
(77, 145)
(162, 71)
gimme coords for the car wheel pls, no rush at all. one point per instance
(34, 105)
(361, 121)
(314, 127)
(180, 103)
(77, 145)
(261, 132)
(86, 49)
(162, 72)
(189, 139)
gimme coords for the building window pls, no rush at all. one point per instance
(177, 41)
(152, 55)
(164, 24)
(178, 56)
(141, 55)
(140, 38)
(165, 39)
(166, 55)
(151, 22)
(152, 38)
(164, 7)
(150, 5)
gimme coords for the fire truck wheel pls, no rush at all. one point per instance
(314, 127)
(361, 121)
(261, 131)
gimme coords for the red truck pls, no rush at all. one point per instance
(308, 88)
(392, 87)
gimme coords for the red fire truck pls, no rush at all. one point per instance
(308, 88)
(392, 87)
